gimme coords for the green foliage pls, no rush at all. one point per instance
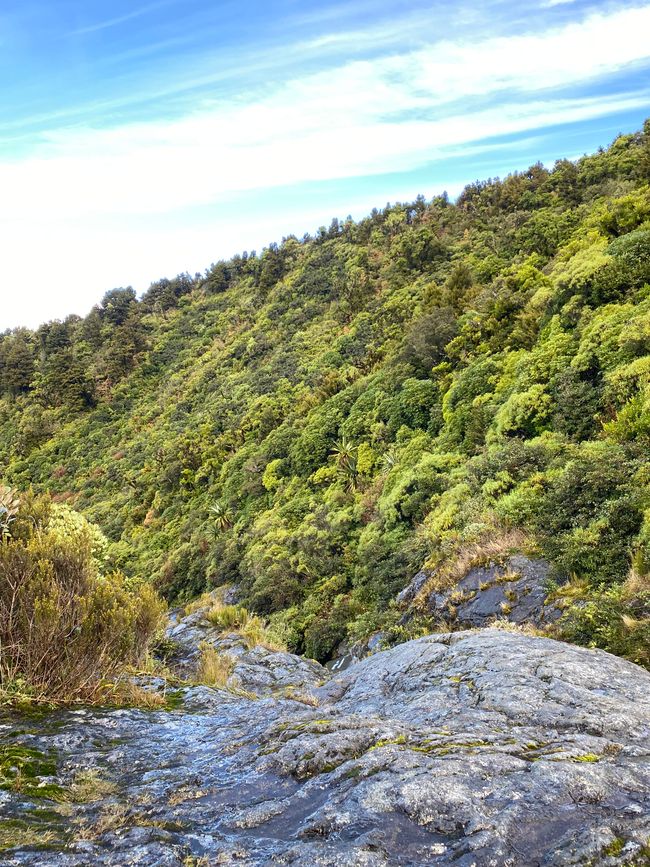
(65, 627)
(315, 422)
(617, 619)
(9, 504)
(524, 414)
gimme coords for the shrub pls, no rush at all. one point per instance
(9, 504)
(328, 628)
(524, 413)
(616, 619)
(66, 629)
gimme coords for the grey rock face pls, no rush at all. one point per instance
(471, 748)
(348, 654)
(257, 670)
(515, 590)
(232, 595)
(409, 593)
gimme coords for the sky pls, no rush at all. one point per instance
(139, 140)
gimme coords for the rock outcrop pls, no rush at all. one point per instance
(257, 670)
(484, 747)
(514, 590)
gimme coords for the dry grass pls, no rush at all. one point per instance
(88, 786)
(636, 583)
(301, 695)
(13, 835)
(519, 628)
(185, 794)
(112, 818)
(494, 548)
(637, 586)
(508, 576)
(120, 693)
(214, 668)
(126, 693)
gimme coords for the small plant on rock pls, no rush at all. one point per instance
(214, 668)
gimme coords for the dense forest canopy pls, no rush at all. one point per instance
(316, 422)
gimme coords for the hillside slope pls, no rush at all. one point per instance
(316, 422)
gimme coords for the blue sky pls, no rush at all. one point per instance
(141, 139)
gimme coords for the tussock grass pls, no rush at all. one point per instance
(637, 582)
(227, 617)
(251, 627)
(519, 628)
(112, 818)
(214, 668)
(301, 695)
(235, 619)
(15, 834)
(205, 600)
(495, 547)
(127, 693)
(88, 786)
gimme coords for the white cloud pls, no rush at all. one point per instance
(394, 113)
(120, 19)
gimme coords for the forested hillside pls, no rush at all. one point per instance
(318, 421)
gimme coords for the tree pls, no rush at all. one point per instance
(17, 364)
(222, 516)
(116, 305)
(344, 455)
(426, 342)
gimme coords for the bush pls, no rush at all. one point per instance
(66, 629)
(616, 619)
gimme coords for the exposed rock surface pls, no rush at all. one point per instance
(409, 593)
(348, 654)
(515, 590)
(470, 748)
(257, 670)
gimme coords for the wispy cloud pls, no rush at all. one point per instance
(435, 74)
(120, 19)
(168, 167)
(387, 113)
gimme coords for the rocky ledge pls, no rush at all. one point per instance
(516, 590)
(484, 747)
